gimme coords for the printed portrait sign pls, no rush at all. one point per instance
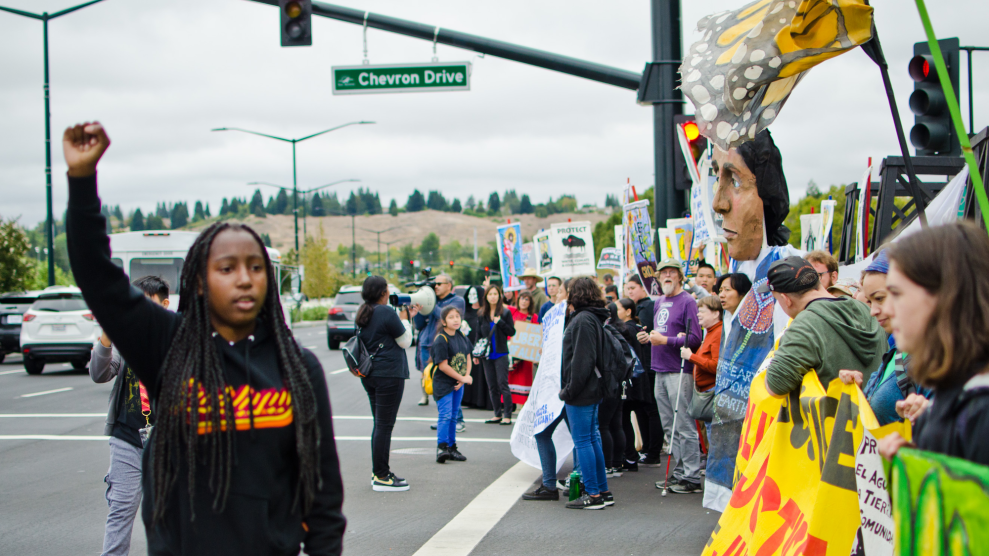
(640, 253)
(544, 254)
(510, 255)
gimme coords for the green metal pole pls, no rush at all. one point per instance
(48, 161)
(956, 116)
(295, 200)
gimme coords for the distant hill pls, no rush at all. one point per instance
(414, 227)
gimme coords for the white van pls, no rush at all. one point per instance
(162, 253)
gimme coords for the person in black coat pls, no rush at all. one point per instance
(582, 388)
(496, 327)
(475, 394)
(643, 400)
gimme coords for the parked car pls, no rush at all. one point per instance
(12, 308)
(58, 328)
(340, 320)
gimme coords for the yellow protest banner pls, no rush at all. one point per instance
(795, 491)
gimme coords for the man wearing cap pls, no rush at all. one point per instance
(675, 326)
(531, 278)
(827, 334)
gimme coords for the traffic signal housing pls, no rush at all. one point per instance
(933, 133)
(697, 144)
(296, 22)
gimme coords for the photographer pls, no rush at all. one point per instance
(385, 337)
(429, 325)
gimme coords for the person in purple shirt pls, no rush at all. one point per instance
(671, 313)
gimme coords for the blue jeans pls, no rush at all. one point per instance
(547, 452)
(446, 427)
(583, 420)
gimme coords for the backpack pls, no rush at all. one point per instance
(356, 357)
(617, 360)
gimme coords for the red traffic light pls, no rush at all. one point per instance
(920, 68)
(412, 263)
(691, 130)
(451, 263)
(486, 269)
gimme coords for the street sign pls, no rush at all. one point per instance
(401, 78)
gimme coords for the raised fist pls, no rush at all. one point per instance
(84, 145)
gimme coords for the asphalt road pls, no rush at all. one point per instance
(53, 501)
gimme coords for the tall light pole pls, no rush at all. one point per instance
(379, 232)
(45, 17)
(305, 230)
(388, 252)
(295, 191)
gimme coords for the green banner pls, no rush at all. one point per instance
(401, 78)
(940, 505)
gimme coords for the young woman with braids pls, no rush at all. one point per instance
(242, 459)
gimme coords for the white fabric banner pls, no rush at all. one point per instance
(544, 405)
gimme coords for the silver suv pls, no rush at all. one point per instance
(58, 328)
(12, 308)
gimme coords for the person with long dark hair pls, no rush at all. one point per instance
(476, 393)
(639, 395)
(385, 338)
(611, 409)
(242, 459)
(497, 326)
(581, 389)
(520, 375)
(938, 284)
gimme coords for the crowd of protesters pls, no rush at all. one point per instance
(913, 333)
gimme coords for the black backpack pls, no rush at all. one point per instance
(356, 357)
(616, 360)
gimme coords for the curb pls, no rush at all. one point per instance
(308, 323)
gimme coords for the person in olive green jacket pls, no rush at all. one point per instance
(827, 334)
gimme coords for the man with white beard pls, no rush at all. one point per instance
(670, 332)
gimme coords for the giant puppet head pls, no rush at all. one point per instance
(751, 196)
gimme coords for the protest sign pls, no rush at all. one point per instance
(827, 216)
(510, 256)
(527, 343)
(875, 534)
(640, 252)
(611, 258)
(544, 405)
(544, 255)
(810, 230)
(573, 249)
(861, 234)
(940, 504)
(528, 255)
(796, 491)
(682, 236)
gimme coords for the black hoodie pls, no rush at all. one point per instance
(259, 517)
(581, 344)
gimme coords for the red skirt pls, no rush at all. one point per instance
(520, 381)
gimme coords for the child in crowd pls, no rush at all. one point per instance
(451, 352)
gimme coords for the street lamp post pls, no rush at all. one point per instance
(305, 230)
(388, 252)
(379, 232)
(295, 191)
(45, 17)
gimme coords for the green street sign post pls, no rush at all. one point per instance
(401, 78)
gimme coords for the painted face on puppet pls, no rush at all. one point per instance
(737, 201)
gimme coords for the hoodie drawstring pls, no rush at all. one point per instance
(250, 385)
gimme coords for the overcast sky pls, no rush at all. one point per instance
(160, 75)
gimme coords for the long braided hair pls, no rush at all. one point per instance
(192, 364)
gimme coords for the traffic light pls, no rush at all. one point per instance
(296, 19)
(933, 132)
(697, 144)
(451, 264)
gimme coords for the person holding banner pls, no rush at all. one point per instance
(675, 325)
(938, 284)
(497, 326)
(520, 375)
(827, 333)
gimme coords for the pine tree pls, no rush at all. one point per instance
(224, 208)
(179, 216)
(207, 212)
(471, 203)
(119, 214)
(317, 205)
(331, 204)
(282, 206)
(494, 204)
(198, 213)
(525, 206)
(455, 207)
(257, 204)
(416, 202)
(354, 204)
(266, 239)
(234, 206)
(436, 201)
(393, 208)
(137, 221)
(154, 222)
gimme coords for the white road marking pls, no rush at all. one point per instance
(429, 419)
(359, 438)
(311, 347)
(465, 531)
(338, 371)
(66, 389)
(47, 415)
(11, 372)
